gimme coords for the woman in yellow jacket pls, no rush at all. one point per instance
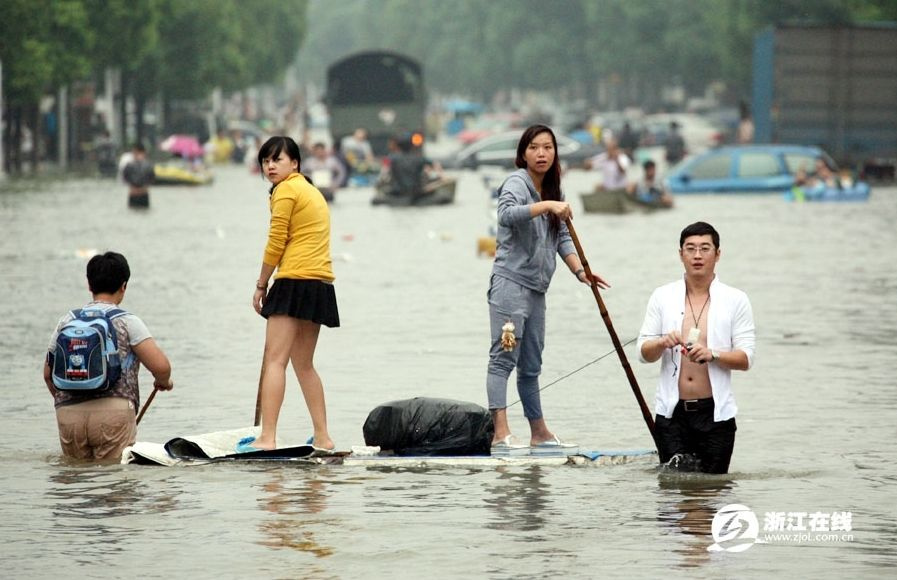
(302, 297)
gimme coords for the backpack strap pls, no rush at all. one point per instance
(114, 313)
(111, 314)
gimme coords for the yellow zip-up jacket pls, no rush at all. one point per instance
(299, 237)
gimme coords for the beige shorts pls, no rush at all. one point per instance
(97, 430)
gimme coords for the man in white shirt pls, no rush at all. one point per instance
(612, 164)
(702, 330)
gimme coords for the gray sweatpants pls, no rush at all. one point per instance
(526, 309)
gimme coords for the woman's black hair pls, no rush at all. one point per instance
(274, 147)
(551, 182)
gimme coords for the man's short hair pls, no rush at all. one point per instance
(699, 229)
(648, 164)
(107, 272)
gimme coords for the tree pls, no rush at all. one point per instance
(45, 45)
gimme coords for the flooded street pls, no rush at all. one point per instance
(816, 422)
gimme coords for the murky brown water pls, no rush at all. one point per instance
(816, 423)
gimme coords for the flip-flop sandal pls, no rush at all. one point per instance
(243, 446)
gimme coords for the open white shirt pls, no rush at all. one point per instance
(613, 175)
(730, 327)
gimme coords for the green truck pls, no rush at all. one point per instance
(382, 92)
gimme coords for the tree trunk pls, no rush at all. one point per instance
(123, 108)
(36, 137)
(15, 136)
(6, 136)
(139, 106)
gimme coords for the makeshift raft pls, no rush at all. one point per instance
(219, 447)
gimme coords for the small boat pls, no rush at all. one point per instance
(439, 192)
(858, 191)
(179, 174)
(619, 201)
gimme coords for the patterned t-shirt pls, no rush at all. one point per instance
(130, 330)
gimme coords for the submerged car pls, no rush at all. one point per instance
(744, 169)
(501, 150)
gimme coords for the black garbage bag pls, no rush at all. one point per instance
(427, 426)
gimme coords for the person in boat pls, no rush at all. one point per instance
(823, 175)
(408, 173)
(97, 425)
(357, 151)
(613, 164)
(325, 170)
(302, 297)
(138, 173)
(531, 232)
(649, 189)
(702, 330)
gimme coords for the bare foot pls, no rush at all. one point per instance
(263, 444)
(536, 439)
(499, 438)
(324, 442)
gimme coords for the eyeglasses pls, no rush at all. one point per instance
(703, 249)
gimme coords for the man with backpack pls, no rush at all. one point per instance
(92, 366)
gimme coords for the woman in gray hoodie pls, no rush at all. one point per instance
(531, 232)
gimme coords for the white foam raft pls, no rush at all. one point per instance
(218, 447)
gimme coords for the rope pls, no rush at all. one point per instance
(588, 364)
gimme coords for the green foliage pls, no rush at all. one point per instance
(44, 46)
(180, 48)
(185, 48)
(480, 47)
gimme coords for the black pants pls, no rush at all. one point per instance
(138, 200)
(692, 430)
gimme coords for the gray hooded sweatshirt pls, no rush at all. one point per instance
(526, 247)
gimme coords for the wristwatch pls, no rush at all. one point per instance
(714, 355)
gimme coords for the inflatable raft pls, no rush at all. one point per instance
(858, 191)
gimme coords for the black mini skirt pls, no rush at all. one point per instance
(313, 300)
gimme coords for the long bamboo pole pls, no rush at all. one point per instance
(618, 346)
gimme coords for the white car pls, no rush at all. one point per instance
(501, 151)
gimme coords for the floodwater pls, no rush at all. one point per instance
(816, 420)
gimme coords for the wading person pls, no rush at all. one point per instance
(302, 297)
(702, 330)
(138, 174)
(531, 232)
(96, 408)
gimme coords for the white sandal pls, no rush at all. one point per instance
(510, 445)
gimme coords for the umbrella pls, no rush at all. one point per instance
(183, 145)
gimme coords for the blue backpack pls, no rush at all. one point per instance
(86, 355)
